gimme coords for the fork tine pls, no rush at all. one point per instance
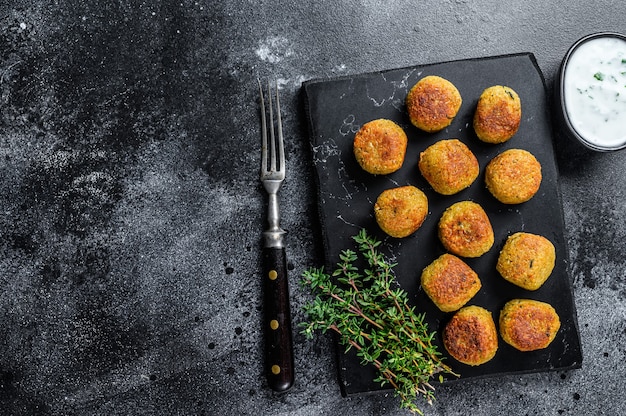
(281, 145)
(263, 131)
(272, 136)
(273, 150)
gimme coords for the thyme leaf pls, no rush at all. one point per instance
(371, 314)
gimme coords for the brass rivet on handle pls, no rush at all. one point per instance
(275, 369)
(274, 324)
(272, 274)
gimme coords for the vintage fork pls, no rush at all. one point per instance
(277, 316)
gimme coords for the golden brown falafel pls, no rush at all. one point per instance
(471, 336)
(449, 166)
(432, 103)
(526, 260)
(528, 325)
(514, 176)
(401, 211)
(498, 114)
(449, 282)
(380, 146)
(465, 230)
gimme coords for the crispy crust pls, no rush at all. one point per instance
(380, 146)
(471, 337)
(449, 282)
(449, 166)
(465, 230)
(514, 176)
(528, 325)
(526, 260)
(432, 103)
(498, 114)
(401, 211)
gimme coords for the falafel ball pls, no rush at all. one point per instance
(449, 166)
(449, 282)
(465, 230)
(401, 211)
(526, 260)
(528, 325)
(432, 103)
(498, 114)
(380, 146)
(471, 336)
(514, 176)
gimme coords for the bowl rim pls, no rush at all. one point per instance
(561, 89)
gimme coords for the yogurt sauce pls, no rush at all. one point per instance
(594, 91)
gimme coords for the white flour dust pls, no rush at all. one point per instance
(274, 49)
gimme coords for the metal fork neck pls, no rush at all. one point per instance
(273, 237)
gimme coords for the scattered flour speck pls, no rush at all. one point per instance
(274, 49)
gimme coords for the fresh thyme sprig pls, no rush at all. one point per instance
(371, 314)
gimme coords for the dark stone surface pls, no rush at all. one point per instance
(130, 208)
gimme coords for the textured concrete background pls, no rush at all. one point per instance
(130, 209)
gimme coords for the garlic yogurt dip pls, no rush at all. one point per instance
(594, 91)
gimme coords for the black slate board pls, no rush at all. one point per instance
(337, 107)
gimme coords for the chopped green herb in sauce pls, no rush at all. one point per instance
(599, 76)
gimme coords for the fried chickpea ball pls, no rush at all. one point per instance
(465, 230)
(401, 211)
(528, 325)
(526, 260)
(449, 166)
(380, 146)
(432, 103)
(471, 336)
(514, 176)
(498, 114)
(449, 282)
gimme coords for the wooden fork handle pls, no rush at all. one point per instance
(277, 320)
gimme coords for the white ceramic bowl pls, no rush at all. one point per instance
(591, 91)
